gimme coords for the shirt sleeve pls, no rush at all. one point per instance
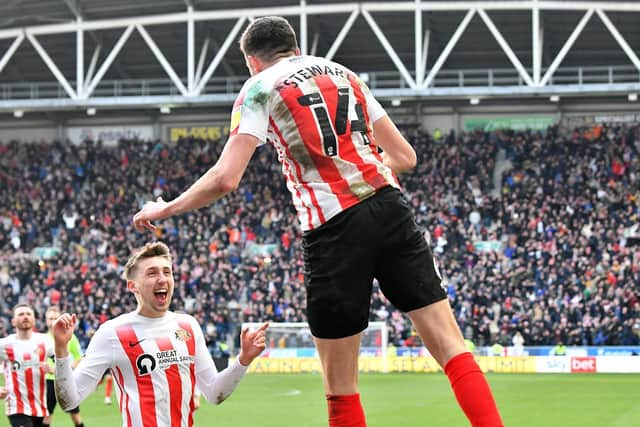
(374, 109)
(250, 114)
(215, 386)
(73, 386)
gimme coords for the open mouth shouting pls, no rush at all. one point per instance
(161, 296)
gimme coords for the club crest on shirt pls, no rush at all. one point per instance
(183, 335)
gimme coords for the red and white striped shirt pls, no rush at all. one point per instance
(24, 373)
(318, 115)
(155, 363)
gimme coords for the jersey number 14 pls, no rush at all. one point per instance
(329, 137)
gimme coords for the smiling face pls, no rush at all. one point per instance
(152, 283)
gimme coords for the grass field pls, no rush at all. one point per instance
(397, 400)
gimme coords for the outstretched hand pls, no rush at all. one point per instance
(151, 211)
(62, 332)
(252, 343)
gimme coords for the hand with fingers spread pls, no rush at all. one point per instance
(151, 211)
(62, 331)
(252, 343)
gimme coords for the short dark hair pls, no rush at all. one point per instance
(268, 37)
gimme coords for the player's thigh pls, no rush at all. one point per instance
(406, 270)
(338, 278)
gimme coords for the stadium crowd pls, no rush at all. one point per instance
(551, 252)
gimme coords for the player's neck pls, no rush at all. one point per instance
(24, 334)
(278, 59)
(150, 313)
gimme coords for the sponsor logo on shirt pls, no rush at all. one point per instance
(147, 363)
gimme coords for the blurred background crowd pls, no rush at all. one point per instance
(535, 233)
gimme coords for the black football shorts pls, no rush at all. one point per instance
(377, 238)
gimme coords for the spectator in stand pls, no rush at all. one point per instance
(568, 265)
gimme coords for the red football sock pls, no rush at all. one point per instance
(108, 386)
(346, 411)
(472, 391)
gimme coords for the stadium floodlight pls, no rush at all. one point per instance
(554, 98)
(632, 97)
(474, 101)
(91, 111)
(18, 114)
(165, 109)
(396, 102)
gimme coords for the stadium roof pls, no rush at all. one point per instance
(449, 49)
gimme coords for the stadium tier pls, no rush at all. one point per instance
(547, 248)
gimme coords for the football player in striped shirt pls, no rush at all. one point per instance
(327, 128)
(24, 356)
(155, 356)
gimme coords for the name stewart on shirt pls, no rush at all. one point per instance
(306, 73)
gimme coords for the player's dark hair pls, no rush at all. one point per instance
(269, 38)
(149, 250)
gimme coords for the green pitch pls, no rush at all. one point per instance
(397, 400)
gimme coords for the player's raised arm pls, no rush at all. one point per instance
(218, 386)
(219, 180)
(62, 332)
(74, 385)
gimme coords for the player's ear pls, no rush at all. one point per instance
(131, 286)
(253, 64)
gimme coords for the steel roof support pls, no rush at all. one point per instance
(425, 55)
(303, 28)
(109, 60)
(408, 6)
(389, 49)
(536, 40)
(342, 34)
(419, 80)
(565, 49)
(621, 41)
(163, 61)
(314, 44)
(12, 49)
(216, 60)
(92, 67)
(52, 66)
(203, 56)
(80, 62)
(505, 47)
(191, 42)
(417, 42)
(448, 48)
